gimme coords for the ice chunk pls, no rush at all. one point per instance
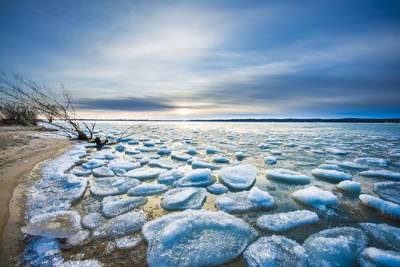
(199, 164)
(116, 205)
(339, 246)
(275, 251)
(217, 189)
(92, 220)
(170, 176)
(163, 164)
(59, 224)
(238, 177)
(143, 173)
(124, 165)
(102, 172)
(112, 186)
(83, 263)
(280, 222)
(381, 174)
(372, 161)
(263, 146)
(375, 257)
(183, 198)
(220, 159)
(240, 155)
(336, 151)
(211, 150)
(130, 151)
(121, 225)
(329, 166)
(93, 164)
(196, 238)
(128, 242)
(331, 175)
(78, 239)
(288, 176)
(314, 197)
(42, 251)
(191, 151)
(386, 208)
(196, 178)
(79, 171)
(120, 147)
(352, 166)
(164, 151)
(385, 235)
(180, 156)
(148, 189)
(388, 190)
(270, 160)
(349, 186)
(244, 201)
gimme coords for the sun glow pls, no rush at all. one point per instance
(183, 111)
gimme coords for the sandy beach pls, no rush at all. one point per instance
(22, 149)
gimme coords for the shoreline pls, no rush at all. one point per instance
(23, 150)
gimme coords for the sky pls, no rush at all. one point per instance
(146, 59)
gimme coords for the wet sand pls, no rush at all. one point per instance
(22, 149)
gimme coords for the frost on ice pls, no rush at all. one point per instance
(196, 238)
(339, 246)
(288, 176)
(239, 177)
(285, 221)
(275, 251)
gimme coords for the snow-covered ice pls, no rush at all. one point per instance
(339, 246)
(92, 220)
(275, 251)
(124, 165)
(285, 221)
(148, 189)
(331, 175)
(385, 235)
(314, 197)
(102, 172)
(115, 205)
(196, 238)
(112, 186)
(384, 207)
(375, 257)
(184, 198)
(144, 173)
(388, 190)
(349, 186)
(238, 177)
(287, 176)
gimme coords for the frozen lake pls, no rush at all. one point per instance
(317, 154)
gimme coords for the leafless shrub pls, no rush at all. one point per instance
(16, 113)
(38, 97)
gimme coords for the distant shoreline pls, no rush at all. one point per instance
(343, 120)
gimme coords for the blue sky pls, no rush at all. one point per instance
(210, 59)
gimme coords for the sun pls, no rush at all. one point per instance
(183, 111)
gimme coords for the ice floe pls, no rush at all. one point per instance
(148, 189)
(385, 235)
(288, 176)
(245, 201)
(238, 177)
(340, 246)
(128, 242)
(270, 160)
(115, 205)
(381, 174)
(388, 190)
(169, 177)
(120, 147)
(196, 178)
(220, 159)
(180, 156)
(163, 164)
(200, 164)
(217, 189)
(196, 238)
(112, 186)
(102, 172)
(164, 151)
(314, 197)
(121, 225)
(375, 257)
(285, 221)
(79, 171)
(384, 207)
(144, 173)
(275, 251)
(59, 224)
(92, 220)
(349, 186)
(372, 161)
(352, 166)
(330, 175)
(93, 164)
(184, 198)
(124, 165)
